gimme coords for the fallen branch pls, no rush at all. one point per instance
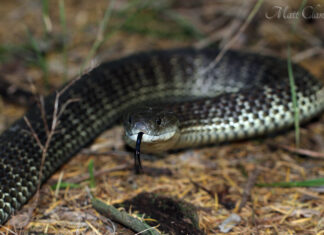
(123, 218)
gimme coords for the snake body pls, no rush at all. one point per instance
(242, 96)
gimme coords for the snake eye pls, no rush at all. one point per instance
(158, 121)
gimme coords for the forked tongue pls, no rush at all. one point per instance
(137, 155)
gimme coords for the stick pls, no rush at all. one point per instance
(248, 187)
(305, 152)
(123, 218)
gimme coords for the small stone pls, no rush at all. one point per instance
(229, 223)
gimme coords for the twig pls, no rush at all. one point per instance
(64, 106)
(9, 231)
(215, 36)
(32, 131)
(248, 187)
(211, 193)
(234, 38)
(305, 152)
(63, 222)
(86, 176)
(51, 132)
(123, 218)
(236, 23)
(40, 103)
(307, 54)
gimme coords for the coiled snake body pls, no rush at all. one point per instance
(244, 95)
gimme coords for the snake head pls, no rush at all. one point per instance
(160, 128)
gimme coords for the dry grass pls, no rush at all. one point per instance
(217, 180)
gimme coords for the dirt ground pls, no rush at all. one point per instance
(218, 181)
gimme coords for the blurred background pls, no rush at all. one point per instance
(43, 44)
(52, 41)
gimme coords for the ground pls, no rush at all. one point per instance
(217, 180)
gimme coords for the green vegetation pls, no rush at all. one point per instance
(307, 183)
(293, 97)
(64, 185)
(91, 173)
(160, 22)
(41, 60)
(64, 35)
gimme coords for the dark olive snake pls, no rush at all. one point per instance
(243, 96)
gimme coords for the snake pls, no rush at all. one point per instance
(169, 99)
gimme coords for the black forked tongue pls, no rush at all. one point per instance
(137, 156)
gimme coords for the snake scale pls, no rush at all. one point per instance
(243, 96)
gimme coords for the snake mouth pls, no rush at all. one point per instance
(142, 137)
(137, 154)
(147, 138)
